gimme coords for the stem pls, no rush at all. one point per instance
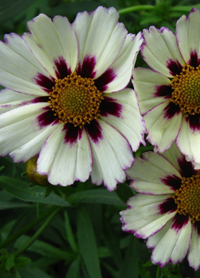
(26, 228)
(34, 237)
(184, 9)
(136, 8)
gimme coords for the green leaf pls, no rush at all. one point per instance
(70, 234)
(87, 244)
(74, 269)
(129, 265)
(30, 272)
(97, 196)
(21, 262)
(11, 205)
(9, 262)
(36, 193)
(9, 168)
(111, 240)
(45, 249)
(148, 264)
(73, 8)
(10, 8)
(113, 272)
(124, 192)
(17, 275)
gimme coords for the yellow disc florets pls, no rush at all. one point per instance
(186, 90)
(75, 100)
(187, 197)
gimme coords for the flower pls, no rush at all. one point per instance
(167, 208)
(66, 97)
(169, 92)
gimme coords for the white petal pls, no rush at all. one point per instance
(146, 82)
(49, 151)
(10, 99)
(162, 131)
(145, 219)
(101, 36)
(154, 240)
(188, 36)
(173, 154)
(18, 66)
(170, 244)
(182, 244)
(124, 63)
(130, 122)
(188, 142)
(111, 155)
(147, 174)
(160, 48)
(18, 128)
(64, 163)
(193, 256)
(33, 146)
(84, 158)
(140, 200)
(21, 113)
(68, 41)
(50, 41)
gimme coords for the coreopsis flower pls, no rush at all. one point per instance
(166, 210)
(169, 92)
(66, 98)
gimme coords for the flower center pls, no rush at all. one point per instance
(187, 197)
(75, 100)
(186, 88)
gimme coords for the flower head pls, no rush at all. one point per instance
(167, 209)
(169, 92)
(66, 98)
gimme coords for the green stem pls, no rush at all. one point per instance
(25, 229)
(136, 8)
(35, 236)
(183, 9)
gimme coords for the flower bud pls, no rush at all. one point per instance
(31, 171)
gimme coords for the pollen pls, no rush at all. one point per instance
(75, 99)
(187, 197)
(186, 90)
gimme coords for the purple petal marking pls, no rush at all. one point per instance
(174, 67)
(197, 225)
(107, 77)
(163, 91)
(187, 169)
(170, 110)
(62, 69)
(167, 206)
(45, 82)
(173, 182)
(194, 60)
(47, 118)
(194, 122)
(95, 131)
(109, 106)
(40, 99)
(72, 133)
(179, 221)
(87, 67)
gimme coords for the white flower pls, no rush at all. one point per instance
(65, 97)
(167, 208)
(169, 92)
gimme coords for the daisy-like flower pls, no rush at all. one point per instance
(66, 97)
(169, 92)
(167, 209)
